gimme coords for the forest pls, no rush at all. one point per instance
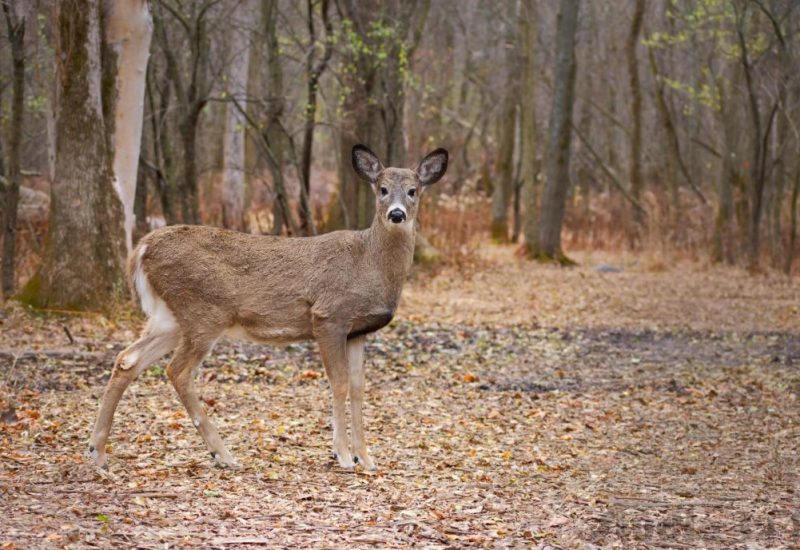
(597, 344)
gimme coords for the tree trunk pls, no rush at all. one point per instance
(15, 16)
(190, 205)
(314, 71)
(756, 172)
(128, 32)
(530, 168)
(672, 138)
(162, 150)
(233, 145)
(504, 167)
(721, 248)
(634, 232)
(142, 226)
(274, 135)
(558, 152)
(84, 253)
(787, 268)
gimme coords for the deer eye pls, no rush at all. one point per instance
(412, 192)
(384, 191)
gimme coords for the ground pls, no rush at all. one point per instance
(511, 405)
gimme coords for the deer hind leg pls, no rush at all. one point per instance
(129, 364)
(332, 349)
(181, 371)
(355, 367)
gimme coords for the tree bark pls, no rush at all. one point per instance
(273, 134)
(84, 252)
(721, 246)
(16, 16)
(504, 168)
(634, 233)
(787, 267)
(558, 156)
(128, 32)
(530, 169)
(233, 146)
(314, 70)
(756, 172)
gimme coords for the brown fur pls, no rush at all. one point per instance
(213, 279)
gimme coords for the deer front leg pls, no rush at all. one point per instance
(355, 366)
(332, 343)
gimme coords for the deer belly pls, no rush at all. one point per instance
(266, 335)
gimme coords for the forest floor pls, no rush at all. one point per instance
(517, 405)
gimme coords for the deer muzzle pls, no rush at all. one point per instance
(397, 214)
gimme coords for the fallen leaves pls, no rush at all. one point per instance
(518, 420)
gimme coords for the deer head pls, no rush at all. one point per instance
(398, 190)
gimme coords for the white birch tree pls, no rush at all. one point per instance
(128, 32)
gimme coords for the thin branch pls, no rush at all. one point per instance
(614, 179)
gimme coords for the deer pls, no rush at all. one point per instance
(197, 283)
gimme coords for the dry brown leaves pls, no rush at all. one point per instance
(525, 406)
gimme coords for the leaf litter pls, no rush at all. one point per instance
(515, 406)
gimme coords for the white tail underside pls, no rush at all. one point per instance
(157, 311)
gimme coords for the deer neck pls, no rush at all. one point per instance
(392, 252)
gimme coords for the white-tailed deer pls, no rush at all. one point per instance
(197, 283)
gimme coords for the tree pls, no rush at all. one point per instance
(191, 86)
(273, 137)
(528, 130)
(128, 33)
(548, 247)
(507, 130)
(636, 117)
(16, 15)
(233, 148)
(84, 252)
(314, 70)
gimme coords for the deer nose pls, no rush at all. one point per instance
(397, 215)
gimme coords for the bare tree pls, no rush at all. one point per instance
(191, 86)
(274, 139)
(636, 117)
(314, 69)
(530, 169)
(551, 218)
(233, 157)
(507, 129)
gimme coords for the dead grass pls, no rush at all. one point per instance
(521, 406)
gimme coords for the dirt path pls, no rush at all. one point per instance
(525, 406)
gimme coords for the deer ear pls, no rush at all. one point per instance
(432, 167)
(366, 164)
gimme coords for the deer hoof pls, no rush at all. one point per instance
(366, 463)
(97, 458)
(225, 461)
(345, 461)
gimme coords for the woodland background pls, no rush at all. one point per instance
(658, 125)
(646, 397)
